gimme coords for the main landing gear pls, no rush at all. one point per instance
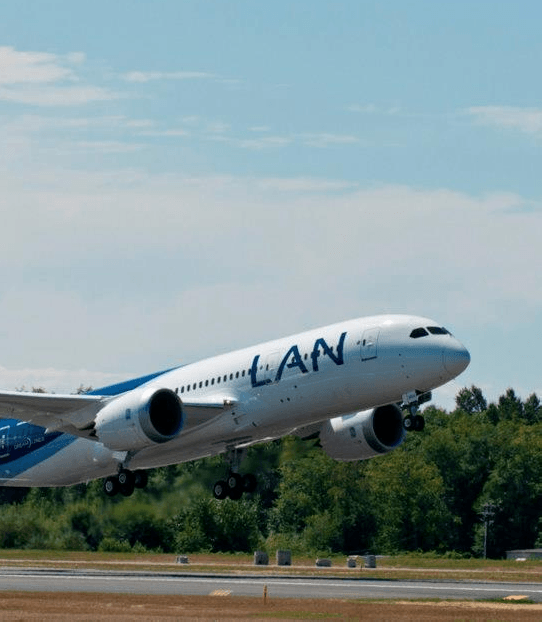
(125, 482)
(414, 422)
(235, 484)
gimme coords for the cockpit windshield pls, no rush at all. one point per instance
(438, 330)
(424, 332)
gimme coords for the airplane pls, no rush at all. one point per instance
(346, 384)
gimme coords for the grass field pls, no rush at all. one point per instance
(128, 608)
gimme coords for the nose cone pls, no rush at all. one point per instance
(456, 358)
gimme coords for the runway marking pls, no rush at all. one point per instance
(220, 593)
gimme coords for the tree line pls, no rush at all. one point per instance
(480, 462)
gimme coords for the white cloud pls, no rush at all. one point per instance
(105, 146)
(56, 380)
(38, 78)
(33, 67)
(323, 139)
(166, 133)
(217, 127)
(527, 120)
(362, 108)
(373, 109)
(148, 76)
(265, 142)
(56, 96)
(304, 184)
(317, 140)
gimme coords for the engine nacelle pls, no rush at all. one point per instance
(139, 419)
(364, 434)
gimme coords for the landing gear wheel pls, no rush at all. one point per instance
(235, 481)
(408, 423)
(220, 490)
(419, 423)
(235, 486)
(126, 481)
(111, 486)
(141, 479)
(249, 482)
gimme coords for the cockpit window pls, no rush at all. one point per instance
(418, 332)
(438, 330)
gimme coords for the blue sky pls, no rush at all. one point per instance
(181, 178)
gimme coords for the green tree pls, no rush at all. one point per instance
(211, 525)
(471, 400)
(323, 502)
(459, 446)
(515, 485)
(407, 497)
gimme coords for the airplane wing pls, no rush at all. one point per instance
(56, 412)
(75, 414)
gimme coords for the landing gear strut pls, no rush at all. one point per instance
(235, 484)
(125, 482)
(411, 403)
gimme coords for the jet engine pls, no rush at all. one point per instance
(363, 435)
(139, 419)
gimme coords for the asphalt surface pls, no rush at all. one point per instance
(16, 579)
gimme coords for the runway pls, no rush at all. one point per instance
(144, 583)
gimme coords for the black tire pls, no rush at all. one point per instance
(141, 479)
(125, 477)
(220, 490)
(126, 481)
(408, 423)
(127, 489)
(235, 482)
(419, 423)
(249, 482)
(111, 486)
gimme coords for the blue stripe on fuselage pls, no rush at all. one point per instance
(26, 445)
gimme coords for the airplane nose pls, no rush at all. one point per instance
(456, 359)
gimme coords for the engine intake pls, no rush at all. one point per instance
(363, 435)
(139, 419)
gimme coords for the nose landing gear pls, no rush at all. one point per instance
(414, 422)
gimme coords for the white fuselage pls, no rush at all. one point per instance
(273, 389)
